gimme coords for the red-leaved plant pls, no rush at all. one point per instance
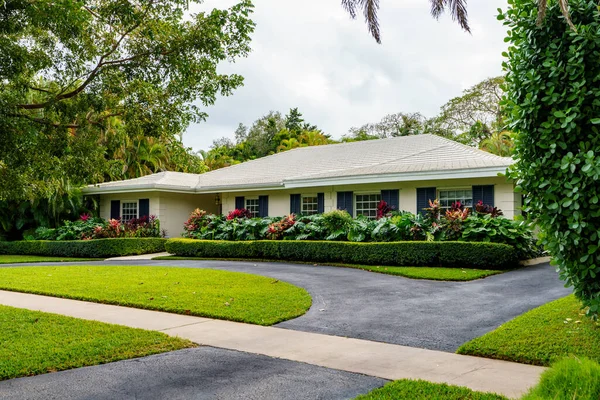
(483, 209)
(239, 213)
(384, 209)
(276, 229)
(455, 216)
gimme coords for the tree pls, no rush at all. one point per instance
(456, 8)
(68, 68)
(288, 144)
(552, 106)
(294, 120)
(499, 143)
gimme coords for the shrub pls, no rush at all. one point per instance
(239, 214)
(572, 378)
(552, 92)
(454, 219)
(101, 248)
(435, 254)
(384, 210)
(96, 228)
(337, 223)
(277, 229)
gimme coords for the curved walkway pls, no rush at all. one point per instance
(427, 314)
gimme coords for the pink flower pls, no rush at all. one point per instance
(85, 217)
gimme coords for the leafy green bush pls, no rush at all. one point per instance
(100, 248)
(552, 104)
(337, 223)
(435, 254)
(569, 379)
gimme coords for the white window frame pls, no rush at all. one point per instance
(254, 215)
(315, 203)
(356, 194)
(137, 209)
(467, 189)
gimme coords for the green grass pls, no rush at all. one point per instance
(33, 342)
(429, 273)
(541, 336)
(10, 259)
(569, 379)
(226, 295)
(406, 389)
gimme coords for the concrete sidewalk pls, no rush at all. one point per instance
(377, 359)
(140, 257)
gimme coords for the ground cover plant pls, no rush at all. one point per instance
(12, 259)
(33, 342)
(209, 293)
(541, 336)
(436, 274)
(407, 389)
(480, 224)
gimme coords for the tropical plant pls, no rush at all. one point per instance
(337, 223)
(454, 218)
(277, 229)
(499, 143)
(552, 100)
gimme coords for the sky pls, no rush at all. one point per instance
(309, 54)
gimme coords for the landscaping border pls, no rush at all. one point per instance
(417, 254)
(96, 248)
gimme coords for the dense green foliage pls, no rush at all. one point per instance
(456, 224)
(15, 259)
(426, 254)
(541, 336)
(32, 343)
(552, 102)
(209, 293)
(406, 389)
(100, 248)
(97, 90)
(569, 379)
(86, 228)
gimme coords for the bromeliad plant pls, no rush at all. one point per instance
(87, 228)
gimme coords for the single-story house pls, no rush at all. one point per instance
(406, 172)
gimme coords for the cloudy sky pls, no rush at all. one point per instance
(309, 54)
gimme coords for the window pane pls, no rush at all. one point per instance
(449, 197)
(366, 204)
(309, 205)
(129, 211)
(252, 206)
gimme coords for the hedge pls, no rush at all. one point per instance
(97, 248)
(418, 254)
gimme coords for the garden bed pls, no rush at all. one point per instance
(418, 254)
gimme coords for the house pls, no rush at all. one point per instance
(406, 172)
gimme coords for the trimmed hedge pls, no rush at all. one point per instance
(97, 248)
(418, 254)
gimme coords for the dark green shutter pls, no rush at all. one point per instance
(115, 209)
(263, 206)
(320, 203)
(392, 198)
(345, 201)
(483, 193)
(240, 203)
(295, 200)
(423, 197)
(144, 208)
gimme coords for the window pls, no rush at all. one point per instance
(448, 197)
(129, 211)
(309, 205)
(366, 204)
(252, 206)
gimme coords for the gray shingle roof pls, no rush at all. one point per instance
(408, 156)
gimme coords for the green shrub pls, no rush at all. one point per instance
(569, 379)
(422, 254)
(98, 248)
(552, 104)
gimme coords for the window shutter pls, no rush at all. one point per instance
(392, 198)
(320, 203)
(115, 209)
(423, 197)
(295, 200)
(345, 201)
(144, 210)
(240, 203)
(484, 193)
(263, 206)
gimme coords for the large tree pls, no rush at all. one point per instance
(68, 67)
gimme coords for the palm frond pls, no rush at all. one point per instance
(369, 10)
(457, 9)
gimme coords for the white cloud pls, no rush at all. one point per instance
(312, 56)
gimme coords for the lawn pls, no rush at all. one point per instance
(226, 295)
(406, 389)
(33, 342)
(10, 259)
(429, 273)
(541, 336)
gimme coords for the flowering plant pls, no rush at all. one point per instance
(384, 210)
(276, 229)
(239, 213)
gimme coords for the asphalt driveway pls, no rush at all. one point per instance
(428, 314)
